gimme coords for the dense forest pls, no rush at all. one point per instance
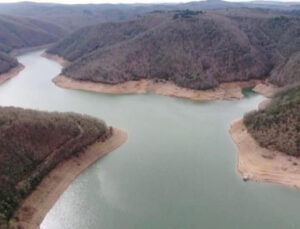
(32, 143)
(277, 127)
(194, 49)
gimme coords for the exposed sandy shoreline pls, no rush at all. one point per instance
(38, 203)
(266, 89)
(226, 91)
(261, 164)
(63, 62)
(12, 73)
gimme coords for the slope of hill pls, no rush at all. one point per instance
(32, 143)
(22, 33)
(7, 63)
(86, 40)
(72, 17)
(288, 72)
(277, 127)
(17, 33)
(194, 49)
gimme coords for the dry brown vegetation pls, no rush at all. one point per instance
(32, 143)
(277, 127)
(194, 49)
(72, 17)
(18, 33)
(7, 62)
(29, 24)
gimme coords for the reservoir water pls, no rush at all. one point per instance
(177, 170)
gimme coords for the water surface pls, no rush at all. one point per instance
(177, 170)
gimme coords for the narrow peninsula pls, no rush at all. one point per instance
(268, 140)
(9, 67)
(41, 153)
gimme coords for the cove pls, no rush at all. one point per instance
(177, 170)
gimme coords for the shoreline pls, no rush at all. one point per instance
(16, 70)
(266, 89)
(261, 164)
(35, 207)
(12, 73)
(225, 91)
(63, 62)
(21, 51)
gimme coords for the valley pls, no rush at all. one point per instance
(203, 99)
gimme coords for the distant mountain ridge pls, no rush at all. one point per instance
(194, 49)
(72, 17)
(29, 24)
(20, 32)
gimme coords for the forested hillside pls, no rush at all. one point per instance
(18, 33)
(88, 39)
(277, 127)
(32, 143)
(194, 49)
(224, 32)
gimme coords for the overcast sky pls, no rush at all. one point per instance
(120, 1)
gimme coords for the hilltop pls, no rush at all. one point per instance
(33, 143)
(193, 49)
